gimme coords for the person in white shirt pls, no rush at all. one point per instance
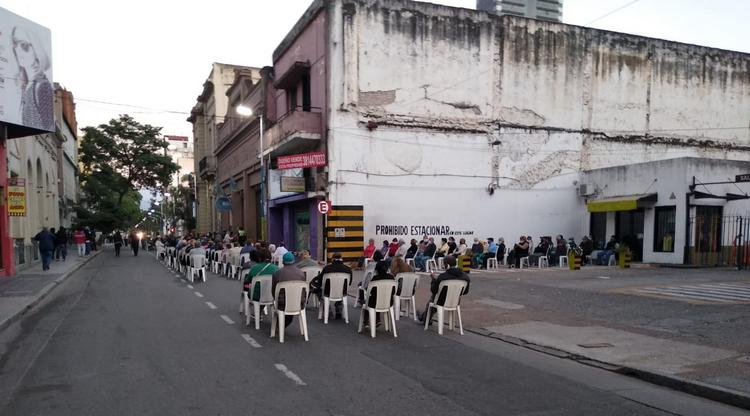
(280, 251)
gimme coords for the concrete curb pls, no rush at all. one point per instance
(716, 393)
(46, 290)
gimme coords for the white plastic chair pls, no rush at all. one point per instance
(198, 267)
(563, 259)
(492, 262)
(612, 260)
(431, 265)
(524, 260)
(368, 260)
(410, 262)
(369, 272)
(310, 273)
(265, 298)
(294, 294)
(337, 282)
(505, 257)
(409, 282)
(234, 264)
(544, 260)
(385, 293)
(454, 289)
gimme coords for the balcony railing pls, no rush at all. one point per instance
(294, 124)
(207, 167)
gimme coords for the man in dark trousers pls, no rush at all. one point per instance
(337, 266)
(134, 242)
(46, 246)
(453, 273)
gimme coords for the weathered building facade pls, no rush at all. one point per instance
(481, 125)
(238, 149)
(49, 165)
(206, 116)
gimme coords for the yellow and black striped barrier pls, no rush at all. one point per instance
(574, 261)
(464, 263)
(625, 259)
(345, 232)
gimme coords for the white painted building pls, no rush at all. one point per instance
(180, 149)
(482, 125)
(670, 211)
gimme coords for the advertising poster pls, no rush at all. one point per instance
(26, 91)
(16, 197)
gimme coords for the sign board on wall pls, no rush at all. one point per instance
(292, 184)
(305, 160)
(274, 182)
(17, 197)
(745, 177)
(26, 92)
(223, 204)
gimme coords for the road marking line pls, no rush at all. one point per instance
(211, 305)
(290, 375)
(602, 277)
(189, 286)
(199, 294)
(250, 340)
(227, 319)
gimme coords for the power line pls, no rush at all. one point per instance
(612, 12)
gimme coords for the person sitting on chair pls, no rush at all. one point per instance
(520, 250)
(381, 273)
(453, 273)
(337, 266)
(288, 273)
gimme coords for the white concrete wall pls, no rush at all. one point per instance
(559, 99)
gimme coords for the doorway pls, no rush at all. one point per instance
(302, 228)
(629, 231)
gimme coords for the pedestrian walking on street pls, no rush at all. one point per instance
(117, 239)
(61, 244)
(79, 238)
(134, 243)
(46, 246)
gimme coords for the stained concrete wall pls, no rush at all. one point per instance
(470, 102)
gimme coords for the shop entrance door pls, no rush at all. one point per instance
(629, 231)
(302, 229)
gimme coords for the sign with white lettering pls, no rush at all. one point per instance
(745, 177)
(305, 160)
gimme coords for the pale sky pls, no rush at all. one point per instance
(157, 54)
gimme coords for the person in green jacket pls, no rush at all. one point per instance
(262, 267)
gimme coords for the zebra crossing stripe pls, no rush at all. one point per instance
(740, 288)
(679, 295)
(706, 294)
(698, 292)
(719, 289)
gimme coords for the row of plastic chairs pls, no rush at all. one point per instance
(388, 298)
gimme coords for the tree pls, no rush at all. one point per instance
(135, 151)
(117, 159)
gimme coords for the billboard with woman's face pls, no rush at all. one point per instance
(26, 91)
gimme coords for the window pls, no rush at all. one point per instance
(291, 99)
(598, 229)
(664, 227)
(306, 97)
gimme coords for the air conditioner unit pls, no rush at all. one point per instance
(583, 190)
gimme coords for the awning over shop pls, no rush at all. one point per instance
(621, 203)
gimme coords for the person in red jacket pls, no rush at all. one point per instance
(368, 252)
(79, 238)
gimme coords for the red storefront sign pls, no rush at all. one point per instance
(305, 160)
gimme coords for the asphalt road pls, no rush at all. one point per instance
(125, 336)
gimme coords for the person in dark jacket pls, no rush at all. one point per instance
(46, 246)
(61, 244)
(117, 240)
(337, 266)
(453, 273)
(134, 242)
(412, 251)
(381, 273)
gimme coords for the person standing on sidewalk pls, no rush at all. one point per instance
(117, 240)
(61, 244)
(46, 246)
(79, 238)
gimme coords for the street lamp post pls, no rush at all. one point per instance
(246, 111)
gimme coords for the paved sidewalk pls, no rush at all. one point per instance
(523, 307)
(21, 292)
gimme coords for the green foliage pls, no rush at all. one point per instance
(117, 159)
